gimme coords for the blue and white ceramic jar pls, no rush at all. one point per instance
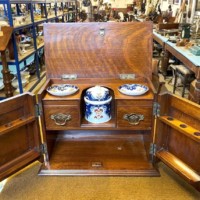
(98, 104)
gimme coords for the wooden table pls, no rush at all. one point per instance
(185, 56)
(160, 39)
(189, 60)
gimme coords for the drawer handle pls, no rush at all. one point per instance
(133, 119)
(61, 119)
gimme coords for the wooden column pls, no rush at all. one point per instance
(165, 63)
(6, 76)
(4, 40)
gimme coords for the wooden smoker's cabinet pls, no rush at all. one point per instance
(106, 54)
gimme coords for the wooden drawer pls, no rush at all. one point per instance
(61, 117)
(134, 116)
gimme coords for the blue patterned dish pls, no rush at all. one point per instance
(133, 89)
(62, 89)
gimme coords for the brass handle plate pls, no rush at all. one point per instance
(61, 119)
(133, 118)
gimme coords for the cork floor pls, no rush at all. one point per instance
(26, 185)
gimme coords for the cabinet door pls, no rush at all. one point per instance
(177, 137)
(19, 134)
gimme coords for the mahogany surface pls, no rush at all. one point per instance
(78, 48)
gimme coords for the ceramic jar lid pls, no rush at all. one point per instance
(97, 93)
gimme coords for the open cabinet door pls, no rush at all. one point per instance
(177, 137)
(19, 134)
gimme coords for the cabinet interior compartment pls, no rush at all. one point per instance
(98, 152)
(86, 124)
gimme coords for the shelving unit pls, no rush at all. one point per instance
(26, 49)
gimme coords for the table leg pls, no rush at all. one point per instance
(197, 87)
(165, 62)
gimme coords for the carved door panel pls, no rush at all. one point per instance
(177, 137)
(19, 134)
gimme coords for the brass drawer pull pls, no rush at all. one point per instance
(61, 119)
(133, 119)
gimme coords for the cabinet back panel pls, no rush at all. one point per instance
(81, 49)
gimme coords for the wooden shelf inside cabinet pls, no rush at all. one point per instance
(181, 127)
(88, 125)
(99, 153)
(16, 124)
(179, 166)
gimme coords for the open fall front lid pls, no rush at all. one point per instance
(98, 50)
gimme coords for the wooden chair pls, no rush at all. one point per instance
(155, 76)
(186, 76)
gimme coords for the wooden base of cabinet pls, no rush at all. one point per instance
(99, 153)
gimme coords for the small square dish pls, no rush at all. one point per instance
(62, 89)
(133, 89)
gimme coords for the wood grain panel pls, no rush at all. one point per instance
(79, 48)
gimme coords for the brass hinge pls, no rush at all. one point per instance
(42, 148)
(156, 109)
(68, 76)
(38, 109)
(152, 149)
(127, 76)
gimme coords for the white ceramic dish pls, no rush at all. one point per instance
(133, 89)
(62, 89)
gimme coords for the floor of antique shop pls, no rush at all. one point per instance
(27, 185)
